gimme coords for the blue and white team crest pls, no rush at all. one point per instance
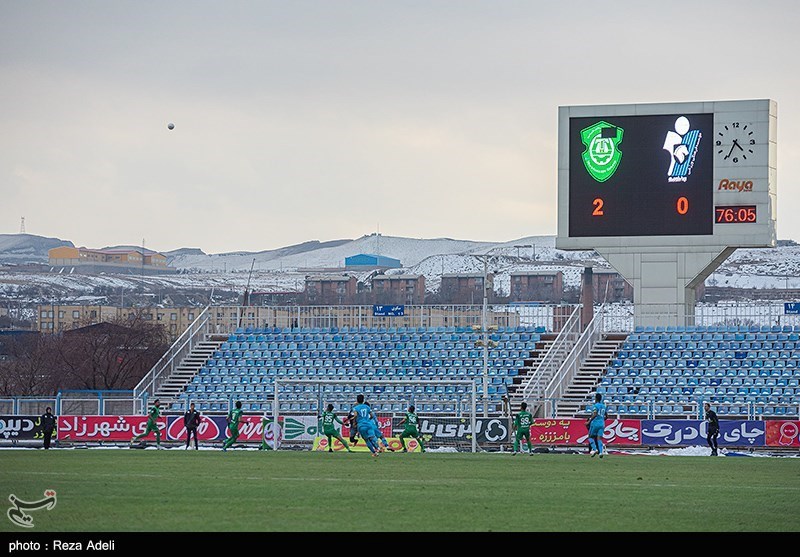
(681, 143)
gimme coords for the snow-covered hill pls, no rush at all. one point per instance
(27, 248)
(285, 269)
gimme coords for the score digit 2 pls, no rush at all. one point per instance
(598, 207)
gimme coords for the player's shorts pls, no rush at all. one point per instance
(410, 433)
(596, 430)
(367, 432)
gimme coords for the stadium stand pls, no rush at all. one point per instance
(247, 363)
(741, 370)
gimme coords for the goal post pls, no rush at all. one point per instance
(446, 410)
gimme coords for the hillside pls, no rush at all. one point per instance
(222, 278)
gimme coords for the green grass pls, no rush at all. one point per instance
(288, 491)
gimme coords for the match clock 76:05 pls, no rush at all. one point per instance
(734, 214)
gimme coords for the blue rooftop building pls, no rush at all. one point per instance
(371, 261)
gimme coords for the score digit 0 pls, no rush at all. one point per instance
(682, 206)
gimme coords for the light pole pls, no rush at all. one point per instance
(485, 343)
(526, 246)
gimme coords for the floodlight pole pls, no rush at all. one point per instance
(484, 342)
(484, 330)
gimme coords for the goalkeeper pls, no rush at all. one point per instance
(522, 428)
(410, 421)
(329, 419)
(350, 421)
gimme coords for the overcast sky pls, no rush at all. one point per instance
(300, 120)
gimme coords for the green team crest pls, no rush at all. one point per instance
(602, 155)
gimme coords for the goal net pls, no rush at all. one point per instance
(446, 411)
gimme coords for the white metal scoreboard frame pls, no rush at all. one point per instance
(645, 150)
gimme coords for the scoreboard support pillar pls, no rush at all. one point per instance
(665, 281)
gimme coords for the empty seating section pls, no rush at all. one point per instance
(247, 364)
(736, 368)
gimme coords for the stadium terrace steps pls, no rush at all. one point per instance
(182, 375)
(580, 392)
(536, 357)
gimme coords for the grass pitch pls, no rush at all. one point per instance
(293, 491)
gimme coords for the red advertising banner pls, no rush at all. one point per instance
(250, 429)
(105, 428)
(573, 431)
(782, 433)
(210, 428)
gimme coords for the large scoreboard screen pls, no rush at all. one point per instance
(667, 175)
(648, 175)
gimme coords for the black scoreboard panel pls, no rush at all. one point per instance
(649, 175)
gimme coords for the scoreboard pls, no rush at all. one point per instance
(667, 174)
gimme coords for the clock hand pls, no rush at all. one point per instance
(736, 143)
(729, 152)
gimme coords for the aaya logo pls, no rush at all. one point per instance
(602, 155)
(735, 185)
(206, 431)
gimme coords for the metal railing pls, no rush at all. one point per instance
(622, 317)
(571, 364)
(82, 403)
(550, 363)
(182, 346)
(229, 319)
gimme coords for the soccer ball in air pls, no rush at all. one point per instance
(170, 125)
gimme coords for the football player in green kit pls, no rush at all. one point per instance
(152, 425)
(410, 430)
(233, 425)
(329, 419)
(522, 428)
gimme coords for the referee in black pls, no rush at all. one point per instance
(48, 422)
(712, 428)
(191, 419)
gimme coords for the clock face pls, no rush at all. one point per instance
(735, 142)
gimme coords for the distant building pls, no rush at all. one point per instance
(120, 261)
(52, 318)
(398, 289)
(465, 288)
(283, 298)
(370, 261)
(331, 290)
(537, 286)
(610, 286)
